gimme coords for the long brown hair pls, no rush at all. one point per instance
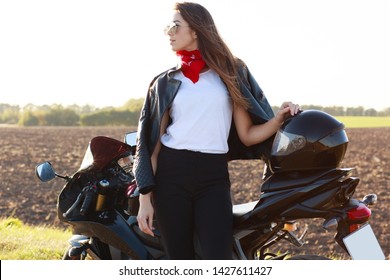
(214, 50)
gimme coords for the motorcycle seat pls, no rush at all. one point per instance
(154, 242)
(242, 209)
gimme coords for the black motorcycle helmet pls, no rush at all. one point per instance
(308, 141)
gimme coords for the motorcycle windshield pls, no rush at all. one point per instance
(101, 151)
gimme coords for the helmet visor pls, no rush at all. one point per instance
(286, 143)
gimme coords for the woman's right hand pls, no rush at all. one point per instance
(145, 214)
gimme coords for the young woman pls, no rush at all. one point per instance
(195, 118)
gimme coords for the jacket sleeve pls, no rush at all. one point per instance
(259, 106)
(260, 111)
(143, 171)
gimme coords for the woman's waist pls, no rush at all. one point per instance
(189, 152)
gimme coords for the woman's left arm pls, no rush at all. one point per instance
(251, 134)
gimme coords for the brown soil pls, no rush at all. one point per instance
(23, 196)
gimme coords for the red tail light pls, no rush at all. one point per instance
(360, 214)
(357, 216)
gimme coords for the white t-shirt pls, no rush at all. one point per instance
(201, 115)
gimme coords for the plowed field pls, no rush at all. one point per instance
(23, 196)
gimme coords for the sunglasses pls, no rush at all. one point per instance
(172, 28)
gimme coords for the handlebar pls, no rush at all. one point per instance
(87, 195)
(74, 205)
(90, 194)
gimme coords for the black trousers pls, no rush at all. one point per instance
(192, 198)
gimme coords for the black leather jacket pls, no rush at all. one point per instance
(161, 93)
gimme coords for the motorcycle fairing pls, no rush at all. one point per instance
(288, 180)
(304, 197)
(116, 232)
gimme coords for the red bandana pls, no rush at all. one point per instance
(191, 64)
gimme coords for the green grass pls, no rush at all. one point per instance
(22, 242)
(364, 122)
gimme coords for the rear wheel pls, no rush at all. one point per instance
(308, 257)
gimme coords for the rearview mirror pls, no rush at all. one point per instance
(131, 138)
(45, 172)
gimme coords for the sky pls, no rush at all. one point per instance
(103, 53)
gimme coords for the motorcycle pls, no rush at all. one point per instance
(100, 200)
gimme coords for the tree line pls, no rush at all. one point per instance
(126, 115)
(72, 115)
